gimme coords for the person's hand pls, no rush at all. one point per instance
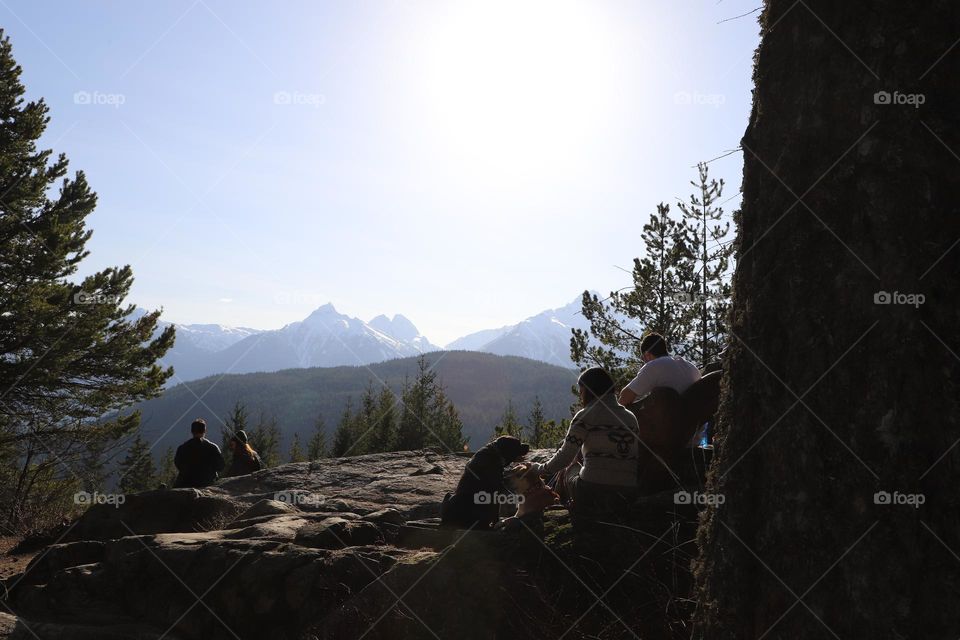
(519, 469)
(531, 469)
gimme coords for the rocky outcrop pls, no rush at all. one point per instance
(337, 548)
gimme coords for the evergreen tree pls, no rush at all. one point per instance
(708, 285)
(71, 351)
(536, 422)
(365, 423)
(167, 470)
(385, 429)
(427, 417)
(317, 445)
(343, 437)
(296, 450)
(137, 470)
(551, 434)
(265, 440)
(655, 302)
(236, 421)
(509, 425)
(680, 289)
(411, 431)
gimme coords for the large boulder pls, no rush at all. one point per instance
(161, 511)
(338, 533)
(339, 548)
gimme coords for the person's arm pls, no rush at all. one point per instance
(178, 458)
(627, 397)
(640, 386)
(575, 438)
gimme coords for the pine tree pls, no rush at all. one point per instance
(509, 424)
(137, 471)
(296, 450)
(411, 431)
(317, 445)
(536, 422)
(265, 440)
(343, 437)
(655, 302)
(551, 435)
(708, 283)
(167, 470)
(681, 288)
(365, 423)
(235, 422)
(385, 429)
(71, 351)
(427, 417)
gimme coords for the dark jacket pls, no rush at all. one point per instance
(198, 461)
(242, 464)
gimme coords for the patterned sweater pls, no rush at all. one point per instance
(608, 435)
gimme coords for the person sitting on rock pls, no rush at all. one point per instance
(659, 369)
(245, 459)
(607, 435)
(198, 460)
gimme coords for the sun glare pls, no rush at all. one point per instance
(520, 86)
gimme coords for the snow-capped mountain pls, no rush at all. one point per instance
(545, 336)
(400, 328)
(213, 337)
(325, 338)
(476, 341)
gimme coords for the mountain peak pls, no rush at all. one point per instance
(399, 327)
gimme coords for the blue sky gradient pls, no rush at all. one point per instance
(467, 164)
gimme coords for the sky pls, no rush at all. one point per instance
(466, 164)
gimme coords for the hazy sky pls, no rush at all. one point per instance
(467, 164)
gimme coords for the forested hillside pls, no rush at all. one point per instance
(480, 385)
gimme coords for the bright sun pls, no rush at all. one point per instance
(520, 85)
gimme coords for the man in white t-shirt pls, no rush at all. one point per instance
(659, 369)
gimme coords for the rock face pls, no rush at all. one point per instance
(339, 548)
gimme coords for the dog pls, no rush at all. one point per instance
(535, 496)
(474, 503)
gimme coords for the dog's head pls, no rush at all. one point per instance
(510, 449)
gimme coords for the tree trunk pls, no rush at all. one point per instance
(831, 398)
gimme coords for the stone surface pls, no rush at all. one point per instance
(330, 549)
